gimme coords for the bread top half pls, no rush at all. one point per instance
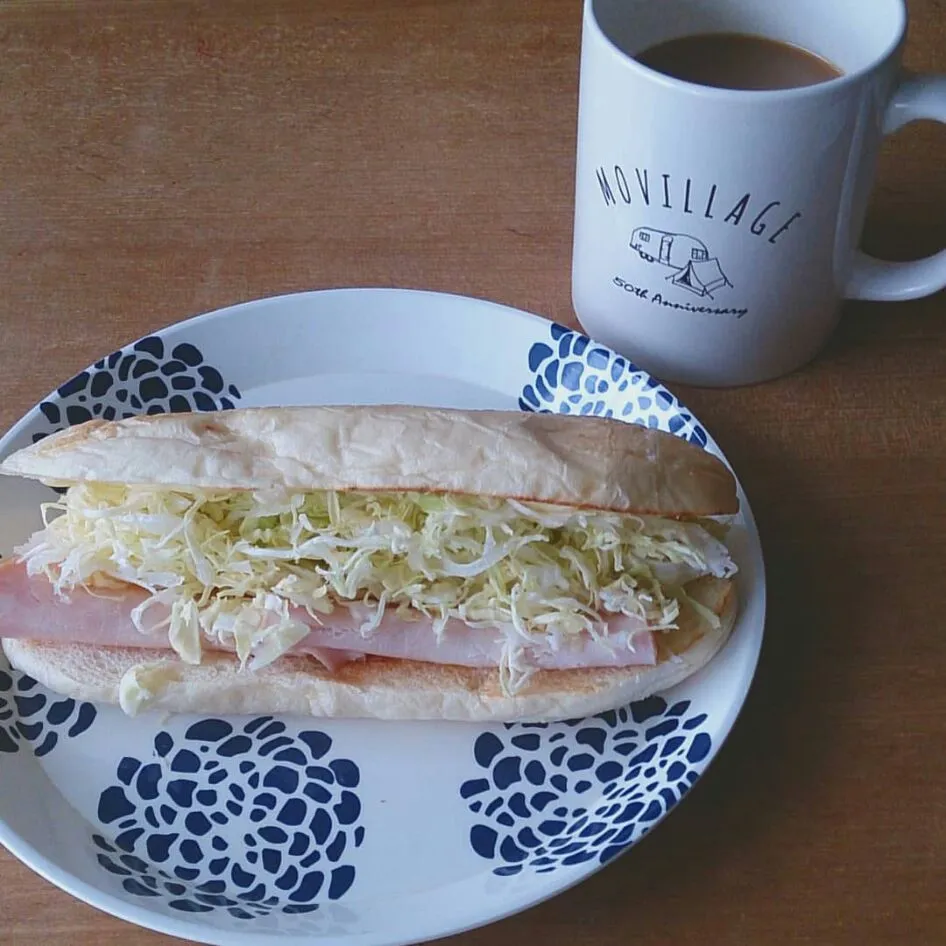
(590, 462)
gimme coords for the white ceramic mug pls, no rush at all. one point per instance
(716, 231)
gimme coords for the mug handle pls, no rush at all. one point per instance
(877, 280)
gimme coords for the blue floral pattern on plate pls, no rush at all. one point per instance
(31, 714)
(181, 820)
(633, 764)
(573, 375)
(150, 376)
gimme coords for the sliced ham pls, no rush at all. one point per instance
(471, 646)
(30, 608)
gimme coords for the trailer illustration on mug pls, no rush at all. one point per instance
(689, 258)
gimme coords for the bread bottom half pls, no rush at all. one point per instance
(378, 687)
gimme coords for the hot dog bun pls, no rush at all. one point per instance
(572, 461)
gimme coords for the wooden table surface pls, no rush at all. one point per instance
(159, 159)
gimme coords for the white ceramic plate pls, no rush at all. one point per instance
(255, 830)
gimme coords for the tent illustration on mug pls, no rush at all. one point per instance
(689, 258)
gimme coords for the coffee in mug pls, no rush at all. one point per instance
(737, 61)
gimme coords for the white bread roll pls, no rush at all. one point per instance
(573, 461)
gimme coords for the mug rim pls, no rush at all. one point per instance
(750, 96)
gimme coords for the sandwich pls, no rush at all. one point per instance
(387, 562)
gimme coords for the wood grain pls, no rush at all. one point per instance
(159, 159)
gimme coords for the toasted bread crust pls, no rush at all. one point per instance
(576, 461)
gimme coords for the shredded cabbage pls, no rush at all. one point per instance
(233, 567)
